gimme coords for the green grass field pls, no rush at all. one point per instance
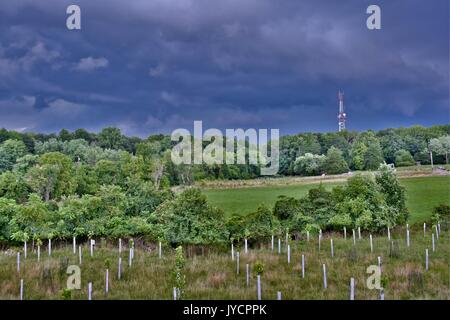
(423, 193)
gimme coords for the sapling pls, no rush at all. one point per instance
(178, 272)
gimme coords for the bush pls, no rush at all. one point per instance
(403, 158)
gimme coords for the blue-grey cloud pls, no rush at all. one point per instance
(156, 65)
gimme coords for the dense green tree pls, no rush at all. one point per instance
(309, 164)
(334, 162)
(10, 151)
(110, 138)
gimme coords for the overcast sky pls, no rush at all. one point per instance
(151, 66)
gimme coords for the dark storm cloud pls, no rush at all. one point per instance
(156, 65)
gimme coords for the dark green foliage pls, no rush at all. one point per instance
(403, 158)
(335, 162)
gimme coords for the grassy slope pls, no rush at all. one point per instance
(423, 193)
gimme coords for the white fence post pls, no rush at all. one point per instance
(407, 238)
(160, 250)
(371, 243)
(18, 262)
(232, 251)
(21, 289)
(174, 293)
(307, 236)
(352, 289)
(324, 276)
(332, 248)
(289, 253)
(247, 274)
(359, 233)
(272, 242)
(92, 243)
(237, 262)
(119, 271)
(49, 247)
(107, 281)
(303, 266)
(278, 295)
(120, 245)
(25, 250)
(38, 253)
(245, 244)
(433, 243)
(80, 260)
(279, 246)
(426, 260)
(345, 233)
(90, 291)
(389, 233)
(259, 286)
(74, 245)
(354, 237)
(424, 229)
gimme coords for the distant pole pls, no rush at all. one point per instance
(49, 247)
(174, 293)
(130, 257)
(359, 233)
(74, 245)
(245, 245)
(278, 295)
(379, 263)
(237, 262)
(352, 289)
(371, 243)
(426, 259)
(303, 266)
(92, 247)
(18, 262)
(25, 250)
(345, 233)
(424, 229)
(389, 233)
(289, 253)
(324, 276)
(38, 253)
(279, 246)
(120, 246)
(437, 232)
(354, 237)
(382, 294)
(272, 242)
(307, 236)
(160, 250)
(79, 255)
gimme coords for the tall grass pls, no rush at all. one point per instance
(213, 274)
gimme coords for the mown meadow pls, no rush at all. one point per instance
(422, 195)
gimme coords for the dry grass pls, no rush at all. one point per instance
(213, 275)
